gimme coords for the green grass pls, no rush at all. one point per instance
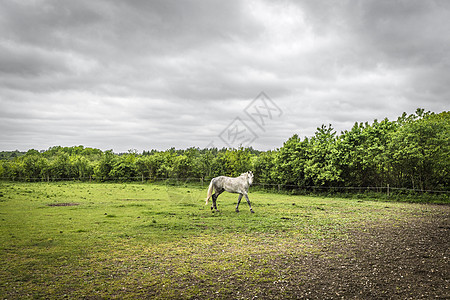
(151, 240)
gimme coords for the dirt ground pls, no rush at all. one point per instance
(380, 261)
(377, 261)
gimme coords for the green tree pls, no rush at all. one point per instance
(264, 167)
(13, 169)
(105, 165)
(182, 167)
(124, 167)
(81, 166)
(164, 162)
(233, 162)
(60, 166)
(363, 156)
(322, 164)
(34, 166)
(290, 162)
(203, 165)
(147, 166)
(420, 150)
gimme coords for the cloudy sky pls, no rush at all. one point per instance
(159, 74)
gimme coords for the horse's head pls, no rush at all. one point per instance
(250, 177)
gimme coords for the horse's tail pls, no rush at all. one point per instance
(210, 192)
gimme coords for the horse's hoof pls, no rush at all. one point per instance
(251, 210)
(237, 210)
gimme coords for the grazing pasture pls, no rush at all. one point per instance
(134, 240)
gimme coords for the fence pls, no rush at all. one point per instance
(279, 187)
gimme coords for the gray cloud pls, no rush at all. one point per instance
(157, 74)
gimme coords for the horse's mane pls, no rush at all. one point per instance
(245, 174)
(249, 178)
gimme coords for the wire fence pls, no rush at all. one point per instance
(204, 181)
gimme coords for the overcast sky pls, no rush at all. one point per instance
(159, 74)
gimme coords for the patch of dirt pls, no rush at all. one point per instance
(409, 261)
(63, 204)
(380, 261)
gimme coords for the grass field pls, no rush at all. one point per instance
(134, 240)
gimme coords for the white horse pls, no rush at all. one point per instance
(238, 185)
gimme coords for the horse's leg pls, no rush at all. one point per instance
(248, 201)
(213, 204)
(214, 197)
(239, 201)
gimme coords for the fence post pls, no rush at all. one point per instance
(388, 190)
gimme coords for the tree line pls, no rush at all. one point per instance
(410, 152)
